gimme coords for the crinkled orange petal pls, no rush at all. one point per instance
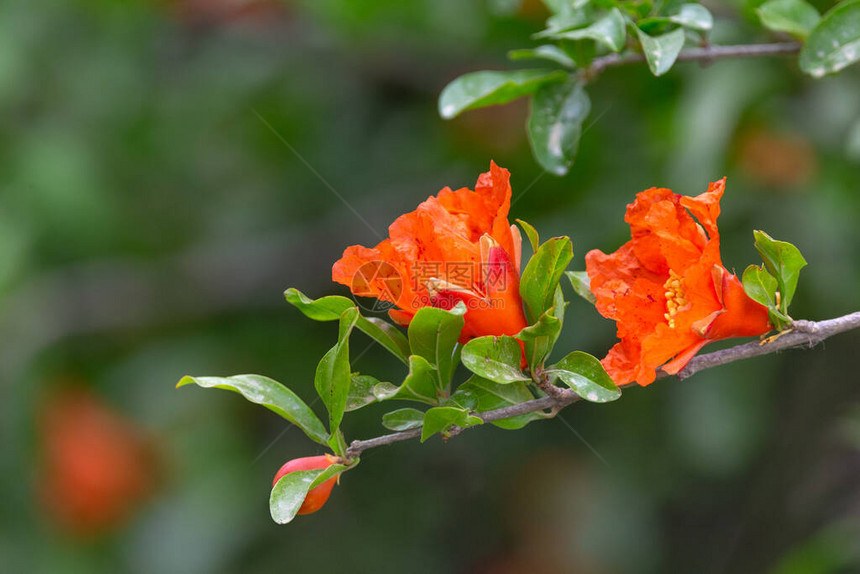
(626, 292)
(674, 366)
(631, 285)
(446, 231)
(743, 317)
(664, 235)
(706, 207)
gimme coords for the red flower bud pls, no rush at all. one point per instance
(318, 496)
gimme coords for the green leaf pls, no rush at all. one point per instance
(567, 15)
(661, 51)
(290, 491)
(555, 124)
(586, 376)
(540, 338)
(323, 309)
(421, 384)
(582, 285)
(531, 233)
(464, 399)
(494, 358)
(403, 419)
(761, 287)
(835, 42)
(386, 335)
(333, 471)
(541, 275)
(440, 419)
(361, 392)
(693, 17)
(582, 52)
(488, 88)
(562, 6)
(546, 52)
(332, 307)
(784, 262)
(433, 334)
(337, 442)
(608, 30)
(333, 376)
(272, 395)
(794, 17)
(492, 396)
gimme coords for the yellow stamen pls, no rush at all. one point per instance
(675, 297)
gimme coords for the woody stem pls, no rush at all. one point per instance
(803, 334)
(704, 54)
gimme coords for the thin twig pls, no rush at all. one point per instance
(803, 334)
(707, 54)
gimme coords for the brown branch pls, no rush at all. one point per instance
(803, 334)
(706, 54)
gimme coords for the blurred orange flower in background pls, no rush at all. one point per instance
(97, 466)
(455, 247)
(667, 288)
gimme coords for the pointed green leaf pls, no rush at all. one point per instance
(795, 17)
(835, 42)
(421, 384)
(440, 419)
(540, 338)
(693, 17)
(562, 6)
(609, 31)
(541, 275)
(582, 285)
(333, 471)
(531, 233)
(333, 376)
(761, 287)
(386, 335)
(555, 124)
(290, 491)
(661, 51)
(337, 442)
(403, 419)
(784, 262)
(586, 376)
(332, 307)
(462, 398)
(361, 392)
(546, 52)
(567, 15)
(488, 88)
(492, 396)
(494, 358)
(433, 334)
(323, 309)
(272, 395)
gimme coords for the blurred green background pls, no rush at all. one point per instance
(167, 171)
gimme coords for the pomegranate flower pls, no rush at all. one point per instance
(667, 289)
(455, 247)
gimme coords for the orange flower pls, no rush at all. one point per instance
(457, 246)
(667, 288)
(97, 465)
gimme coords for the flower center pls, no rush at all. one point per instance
(675, 298)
